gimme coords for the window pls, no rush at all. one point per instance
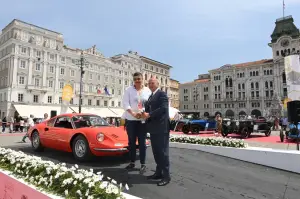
(99, 78)
(21, 80)
(52, 57)
(63, 122)
(105, 103)
(119, 92)
(51, 69)
(38, 67)
(20, 97)
(50, 84)
(23, 50)
(62, 59)
(112, 103)
(61, 85)
(23, 64)
(60, 100)
(89, 102)
(98, 102)
(37, 82)
(38, 53)
(91, 76)
(49, 99)
(35, 98)
(119, 104)
(72, 73)
(90, 89)
(62, 71)
(120, 81)
(71, 101)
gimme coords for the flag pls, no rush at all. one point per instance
(106, 90)
(98, 91)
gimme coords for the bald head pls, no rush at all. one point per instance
(153, 84)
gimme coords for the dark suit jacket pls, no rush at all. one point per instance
(158, 108)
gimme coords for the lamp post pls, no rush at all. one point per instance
(82, 62)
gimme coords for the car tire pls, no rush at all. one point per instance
(36, 142)
(268, 133)
(195, 129)
(225, 131)
(245, 133)
(81, 149)
(281, 135)
(185, 129)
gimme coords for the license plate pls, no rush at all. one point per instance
(255, 127)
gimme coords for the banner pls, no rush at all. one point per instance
(292, 72)
(67, 94)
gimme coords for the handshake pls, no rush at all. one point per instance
(142, 115)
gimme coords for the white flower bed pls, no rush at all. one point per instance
(218, 141)
(57, 178)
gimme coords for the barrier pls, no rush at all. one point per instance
(12, 188)
(280, 159)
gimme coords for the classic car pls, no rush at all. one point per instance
(245, 126)
(84, 135)
(292, 132)
(195, 126)
(229, 126)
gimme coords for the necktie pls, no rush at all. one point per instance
(150, 97)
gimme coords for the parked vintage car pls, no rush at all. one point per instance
(245, 126)
(84, 135)
(195, 126)
(229, 126)
(292, 132)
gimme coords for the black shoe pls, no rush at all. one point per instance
(142, 169)
(130, 166)
(164, 182)
(23, 141)
(154, 177)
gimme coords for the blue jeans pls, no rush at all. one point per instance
(136, 131)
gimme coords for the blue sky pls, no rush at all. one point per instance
(193, 36)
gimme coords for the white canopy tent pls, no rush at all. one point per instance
(39, 111)
(103, 112)
(118, 111)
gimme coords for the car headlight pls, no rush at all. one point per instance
(287, 129)
(100, 137)
(228, 123)
(237, 123)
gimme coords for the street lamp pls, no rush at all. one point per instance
(82, 62)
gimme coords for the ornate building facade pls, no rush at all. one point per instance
(174, 93)
(35, 65)
(252, 88)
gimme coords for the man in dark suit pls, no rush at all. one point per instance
(158, 125)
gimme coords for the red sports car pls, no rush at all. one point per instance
(82, 134)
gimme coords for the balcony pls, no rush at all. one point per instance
(43, 89)
(93, 94)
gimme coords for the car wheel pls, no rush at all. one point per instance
(195, 129)
(224, 131)
(245, 133)
(268, 133)
(281, 135)
(185, 129)
(81, 149)
(36, 142)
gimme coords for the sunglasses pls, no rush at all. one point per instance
(137, 79)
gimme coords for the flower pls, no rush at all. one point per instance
(226, 142)
(58, 178)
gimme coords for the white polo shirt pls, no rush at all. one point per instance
(131, 98)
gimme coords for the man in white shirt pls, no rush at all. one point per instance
(30, 124)
(134, 100)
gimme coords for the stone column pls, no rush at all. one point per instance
(45, 70)
(15, 70)
(29, 78)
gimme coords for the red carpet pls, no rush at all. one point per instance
(255, 137)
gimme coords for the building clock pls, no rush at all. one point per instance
(285, 43)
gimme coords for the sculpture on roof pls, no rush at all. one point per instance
(93, 51)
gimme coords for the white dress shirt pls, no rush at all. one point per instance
(30, 122)
(130, 100)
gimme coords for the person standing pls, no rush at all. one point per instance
(133, 101)
(45, 117)
(4, 122)
(158, 125)
(30, 124)
(219, 122)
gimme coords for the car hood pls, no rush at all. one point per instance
(115, 133)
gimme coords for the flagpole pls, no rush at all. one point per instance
(283, 8)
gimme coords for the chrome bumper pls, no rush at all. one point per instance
(111, 150)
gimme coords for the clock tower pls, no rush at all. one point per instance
(285, 39)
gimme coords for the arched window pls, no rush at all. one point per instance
(252, 85)
(226, 82)
(230, 82)
(266, 84)
(257, 85)
(146, 77)
(256, 73)
(250, 73)
(268, 72)
(283, 78)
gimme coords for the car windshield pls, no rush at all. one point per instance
(82, 121)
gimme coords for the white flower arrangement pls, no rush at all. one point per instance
(57, 178)
(218, 141)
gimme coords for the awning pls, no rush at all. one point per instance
(39, 111)
(118, 111)
(103, 112)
